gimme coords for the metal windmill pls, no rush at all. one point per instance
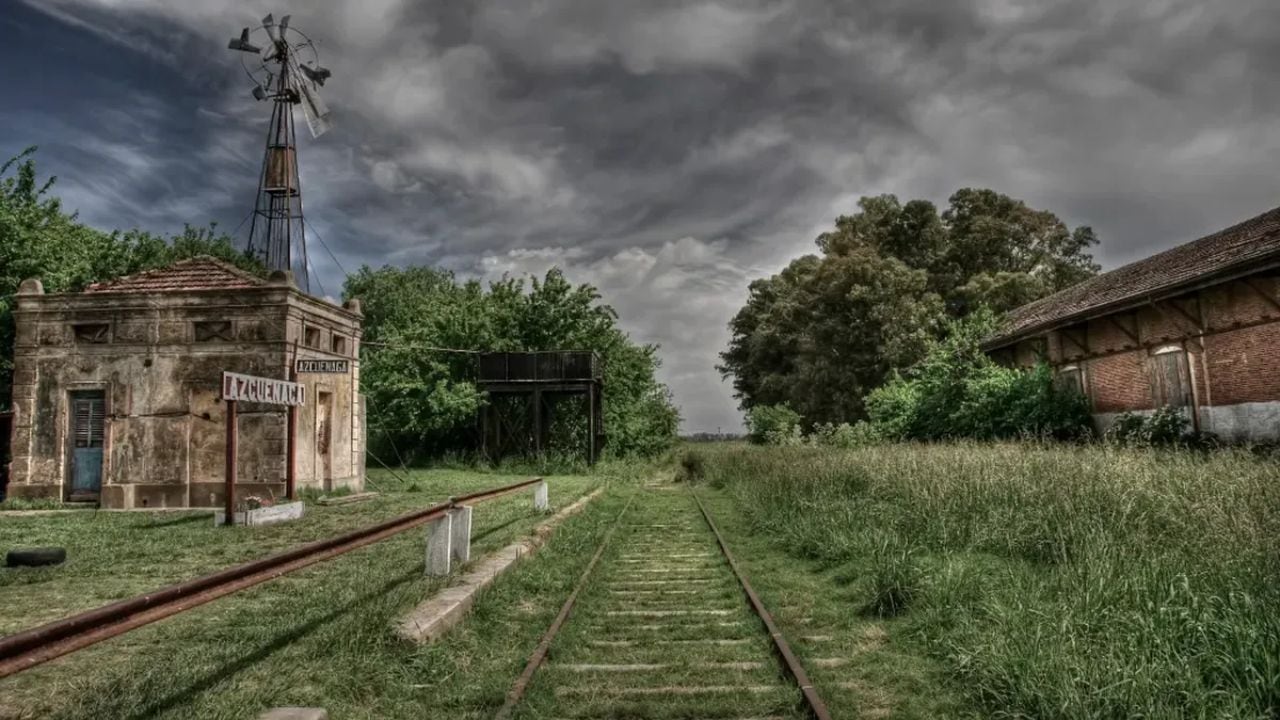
(283, 64)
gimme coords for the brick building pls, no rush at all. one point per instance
(116, 390)
(1194, 327)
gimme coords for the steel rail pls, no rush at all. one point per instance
(516, 694)
(29, 648)
(817, 707)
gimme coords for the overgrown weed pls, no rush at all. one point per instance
(1057, 581)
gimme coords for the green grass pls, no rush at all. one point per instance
(30, 504)
(1048, 581)
(863, 665)
(319, 636)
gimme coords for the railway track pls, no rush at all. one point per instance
(663, 624)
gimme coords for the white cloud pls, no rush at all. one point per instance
(679, 295)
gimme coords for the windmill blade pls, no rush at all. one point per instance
(269, 23)
(314, 110)
(316, 74)
(313, 107)
(284, 25)
(242, 43)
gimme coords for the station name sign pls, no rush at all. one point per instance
(340, 367)
(261, 390)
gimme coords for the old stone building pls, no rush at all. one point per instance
(116, 391)
(1195, 327)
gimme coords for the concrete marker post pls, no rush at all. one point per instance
(460, 520)
(540, 500)
(439, 552)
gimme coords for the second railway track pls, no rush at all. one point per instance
(663, 625)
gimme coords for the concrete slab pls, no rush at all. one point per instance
(295, 713)
(437, 614)
(440, 546)
(460, 519)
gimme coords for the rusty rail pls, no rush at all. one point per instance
(516, 694)
(817, 708)
(27, 649)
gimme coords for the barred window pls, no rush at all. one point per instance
(213, 331)
(93, 333)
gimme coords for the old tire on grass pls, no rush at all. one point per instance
(35, 557)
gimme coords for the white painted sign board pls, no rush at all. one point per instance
(250, 388)
(323, 366)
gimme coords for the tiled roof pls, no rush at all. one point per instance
(1236, 248)
(198, 273)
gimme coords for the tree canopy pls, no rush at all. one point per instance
(38, 238)
(829, 328)
(422, 394)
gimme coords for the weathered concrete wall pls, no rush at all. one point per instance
(164, 434)
(346, 447)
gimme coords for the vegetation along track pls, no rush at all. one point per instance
(663, 625)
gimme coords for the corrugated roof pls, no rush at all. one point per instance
(198, 273)
(1237, 247)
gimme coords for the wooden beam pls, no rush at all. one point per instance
(1082, 343)
(1253, 285)
(1195, 322)
(1115, 320)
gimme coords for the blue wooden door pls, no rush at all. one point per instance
(88, 417)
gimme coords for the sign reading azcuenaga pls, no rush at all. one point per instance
(340, 367)
(261, 390)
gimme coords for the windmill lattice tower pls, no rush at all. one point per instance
(285, 75)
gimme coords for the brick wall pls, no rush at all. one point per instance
(1230, 334)
(1244, 365)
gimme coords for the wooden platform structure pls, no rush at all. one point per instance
(528, 394)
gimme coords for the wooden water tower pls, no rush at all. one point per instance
(532, 394)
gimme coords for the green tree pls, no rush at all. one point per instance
(40, 239)
(828, 329)
(772, 424)
(422, 394)
(956, 391)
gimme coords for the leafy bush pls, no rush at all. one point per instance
(1166, 426)
(844, 435)
(773, 425)
(957, 391)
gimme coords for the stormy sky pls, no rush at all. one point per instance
(667, 152)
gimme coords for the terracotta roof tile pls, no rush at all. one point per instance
(198, 273)
(1237, 247)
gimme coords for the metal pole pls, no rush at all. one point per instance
(291, 470)
(230, 490)
(291, 429)
(591, 424)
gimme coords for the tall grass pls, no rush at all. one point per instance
(1055, 581)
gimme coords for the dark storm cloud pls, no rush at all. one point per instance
(666, 151)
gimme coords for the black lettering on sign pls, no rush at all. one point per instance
(323, 366)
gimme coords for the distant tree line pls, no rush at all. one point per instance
(885, 288)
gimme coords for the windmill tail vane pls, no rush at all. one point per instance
(283, 64)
